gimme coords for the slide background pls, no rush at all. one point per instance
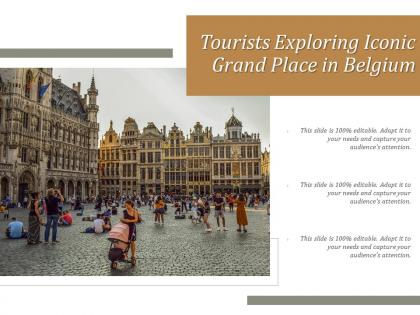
(303, 270)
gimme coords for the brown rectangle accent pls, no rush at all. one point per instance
(202, 80)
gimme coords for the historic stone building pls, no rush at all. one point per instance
(199, 160)
(109, 162)
(129, 156)
(174, 161)
(265, 171)
(198, 163)
(48, 135)
(236, 160)
(151, 162)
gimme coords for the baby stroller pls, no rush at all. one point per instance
(120, 244)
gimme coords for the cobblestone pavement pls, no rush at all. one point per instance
(178, 248)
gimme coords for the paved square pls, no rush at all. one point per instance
(177, 248)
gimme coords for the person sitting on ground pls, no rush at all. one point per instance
(99, 224)
(107, 224)
(15, 230)
(66, 218)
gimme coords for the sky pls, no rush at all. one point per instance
(159, 96)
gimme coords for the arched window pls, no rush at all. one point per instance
(38, 92)
(110, 138)
(28, 83)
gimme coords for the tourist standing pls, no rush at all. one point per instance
(206, 216)
(231, 201)
(131, 218)
(219, 211)
(54, 197)
(34, 220)
(159, 210)
(241, 217)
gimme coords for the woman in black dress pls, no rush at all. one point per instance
(34, 220)
(130, 218)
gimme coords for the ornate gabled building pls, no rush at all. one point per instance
(173, 163)
(128, 163)
(236, 160)
(48, 135)
(199, 160)
(109, 162)
(151, 162)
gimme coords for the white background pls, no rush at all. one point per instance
(303, 270)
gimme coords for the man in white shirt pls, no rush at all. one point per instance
(99, 224)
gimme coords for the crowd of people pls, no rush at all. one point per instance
(196, 207)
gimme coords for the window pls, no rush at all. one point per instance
(256, 152)
(142, 174)
(56, 159)
(150, 173)
(256, 168)
(222, 169)
(37, 124)
(149, 157)
(142, 157)
(110, 138)
(222, 152)
(149, 144)
(201, 150)
(157, 157)
(28, 83)
(243, 167)
(243, 153)
(215, 152)
(40, 84)
(250, 169)
(228, 169)
(228, 152)
(190, 151)
(157, 144)
(249, 152)
(24, 155)
(158, 173)
(25, 120)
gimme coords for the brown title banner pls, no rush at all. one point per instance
(303, 55)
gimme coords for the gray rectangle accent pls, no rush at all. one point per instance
(86, 53)
(334, 300)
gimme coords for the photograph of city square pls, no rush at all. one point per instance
(121, 173)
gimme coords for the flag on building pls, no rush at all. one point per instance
(43, 89)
